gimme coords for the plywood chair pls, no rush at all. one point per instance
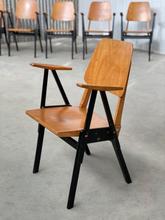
(108, 71)
(139, 12)
(62, 25)
(27, 22)
(3, 24)
(99, 12)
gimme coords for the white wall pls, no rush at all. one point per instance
(118, 6)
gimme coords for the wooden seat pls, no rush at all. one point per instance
(108, 71)
(62, 24)
(139, 12)
(99, 12)
(3, 24)
(27, 22)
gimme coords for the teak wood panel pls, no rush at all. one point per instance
(2, 5)
(139, 11)
(65, 121)
(26, 9)
(100, 11)
(63, 11)
(109, 65)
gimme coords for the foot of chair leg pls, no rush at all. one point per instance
(75, 175)
(87, 150)
(41, 130)
(121, 160)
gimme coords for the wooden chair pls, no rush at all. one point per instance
(27, 22)
(139, 12)
(3, 24)
(108, 70)
(62, 25)
(99, 11)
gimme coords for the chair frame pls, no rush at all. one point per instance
(86, 33)
(3, 29)
(143, 35)
(86, 135)
(36, 32)
(71, 34)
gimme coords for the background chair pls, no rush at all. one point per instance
(3, 24)
(62, 25)
(26, 23)
(139, 12)
(98, 12)
(108, 70)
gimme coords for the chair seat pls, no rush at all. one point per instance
(65, 121)
(21, 30)
(99, 31)
(58, 30)
(137, 32)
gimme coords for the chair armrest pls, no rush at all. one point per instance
(50, 66)
(100, 88)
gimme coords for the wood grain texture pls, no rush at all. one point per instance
(98, 87)
(2, 5)
(26, 9)
(100, 11)
(63, 11)
(139, 11)
(50, 66)
(65, 121)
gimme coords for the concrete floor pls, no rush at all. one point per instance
(102, 192)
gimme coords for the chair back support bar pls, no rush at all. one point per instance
(26, 9)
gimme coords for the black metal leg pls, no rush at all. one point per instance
(46, 45)
(76, 45)
(72, 46)
(41, 130)
(84, 47)
(149, 50)
(9, 44)
(50, 42)
(39, 36)
(87, 150)
(35, 44)
(116, 146)
(15, 40)
(75, 175)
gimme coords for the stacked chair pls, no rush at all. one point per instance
(139, 12)
(108, 71)
(98, 12)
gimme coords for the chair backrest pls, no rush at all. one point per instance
(139, 11)
(2, 7)
(26, 9)
(63, 11)
(100, 11)
(110, 66)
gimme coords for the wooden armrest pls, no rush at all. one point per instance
(50, 66)
(100, 88)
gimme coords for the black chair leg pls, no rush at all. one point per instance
(84, 47)
(149, 50)
(75, 175)
(46, 45)
(72, 46)
(87, 150)
(35, 45)
(116, 146)
(0, 41)
(9, 44)
(76, 45)
(15, 40)
(39, 36)
(41, 131)
(50, 42)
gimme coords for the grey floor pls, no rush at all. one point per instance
(102, 192)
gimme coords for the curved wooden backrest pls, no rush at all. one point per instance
(63, 11)
(26, 9)
(100, 11)
(139, 11)
(110, 64)
(2, 7)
